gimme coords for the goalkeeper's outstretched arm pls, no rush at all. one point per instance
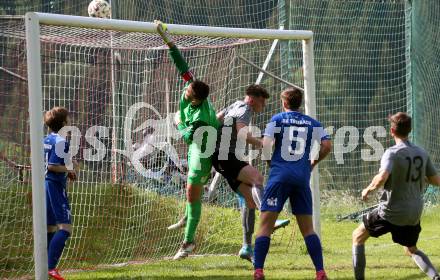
(175, 54)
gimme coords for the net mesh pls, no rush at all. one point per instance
(15, 195)
(361, 78)
(372, 58)
(425, 80)
(120, 214)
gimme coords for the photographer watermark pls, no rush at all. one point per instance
(163, 133)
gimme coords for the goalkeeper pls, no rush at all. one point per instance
(243, 178)
(195, 111)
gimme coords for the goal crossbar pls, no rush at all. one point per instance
(173, 29)
(34, 20)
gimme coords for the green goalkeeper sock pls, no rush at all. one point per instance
(194, 211)
(187, 211)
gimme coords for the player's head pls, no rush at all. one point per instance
(197, 92)
(292, 98)
(400, 125)
(256, 96)
(56, 118)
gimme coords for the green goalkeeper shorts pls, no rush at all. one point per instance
(199, 170)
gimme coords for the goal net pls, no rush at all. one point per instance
(372, 58)
(122, 89)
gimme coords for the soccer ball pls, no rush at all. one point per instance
(99, 9)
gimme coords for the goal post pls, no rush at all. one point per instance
(310, 108)
(36, 123)
(33, 22)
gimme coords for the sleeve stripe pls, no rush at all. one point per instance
(187, 76)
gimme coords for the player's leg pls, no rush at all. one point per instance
(251, 188)
(251, 177)
(372, 225)
(313, 243)
(60, 206)
(51, 230)
(230, 170)
(302, 208)
(180, 170)
(245, 191)
(247, 209)
(56, 249)
(193, 210)
(422, 261)
(275, 195)
(262, 242)
(360, 236)
(241, 177)
(193, 213)
(180, 223)
(50, 218)
(198, 175)
(407, 236)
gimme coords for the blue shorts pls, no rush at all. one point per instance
(276, 194)
(57, 204)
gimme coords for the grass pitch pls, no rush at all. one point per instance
(289, 259)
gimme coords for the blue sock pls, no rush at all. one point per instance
(262, 244)
(56, 247)
(315, 251)
(50, 235)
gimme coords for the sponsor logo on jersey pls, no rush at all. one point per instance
(273, 201)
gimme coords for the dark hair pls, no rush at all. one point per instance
(200, 90)
(293, 97)
(257, 91)
(401, 122)
(55, 118)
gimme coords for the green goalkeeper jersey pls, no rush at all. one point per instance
(192, 117)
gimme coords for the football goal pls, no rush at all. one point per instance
(116, 79)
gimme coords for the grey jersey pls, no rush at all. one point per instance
(238, 112)
(402, 201)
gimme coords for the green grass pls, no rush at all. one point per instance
(112, 224)
(116, 224)
(385, 260)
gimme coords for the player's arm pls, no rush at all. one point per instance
(269, 140)
(434, 180)
(221, 116)
(251, 140)
(57, 168)
(431, 174)
(62, 169)
(266, 153)
(377, 182)
(386, 165)
(324, 150)
(59, 164)
(187, 132)
(174, 52)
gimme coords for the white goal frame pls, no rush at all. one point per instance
(33, 22)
